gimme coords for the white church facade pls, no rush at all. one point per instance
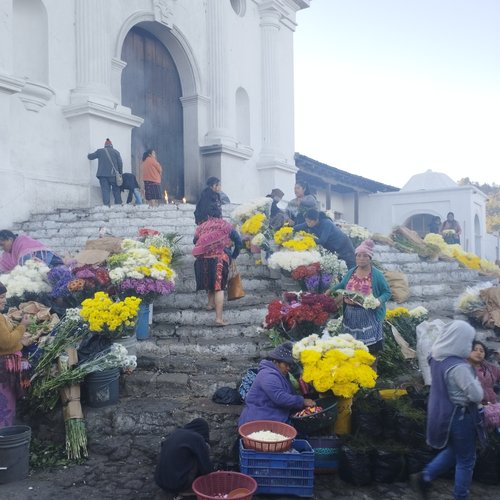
(208, 84)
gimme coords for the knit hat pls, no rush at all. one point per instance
(367, 247)
(200, 426)
(276, 192)
(212, 181)
(108, 142)
(282, 353)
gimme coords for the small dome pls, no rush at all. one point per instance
(429, 180)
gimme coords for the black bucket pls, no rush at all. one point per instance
(14, 453)
(102, 388)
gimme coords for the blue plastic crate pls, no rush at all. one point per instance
(289, 473)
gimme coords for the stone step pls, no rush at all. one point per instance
(152, 418)
(257, 293)
(191, 333)
(241, 315)
(157, 384)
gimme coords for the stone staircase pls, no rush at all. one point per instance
(186, 358)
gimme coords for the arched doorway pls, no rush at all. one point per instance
(420, 223)
(151, 88)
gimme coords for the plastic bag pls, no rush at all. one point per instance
(389, 466)
(355, 466)
(417, 459)
(427, 332)
(227, 396)
(487, 468)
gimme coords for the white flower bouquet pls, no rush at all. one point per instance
(288, 260)
(29, 278)
(331, 264)
(247, 210)
(367, 301)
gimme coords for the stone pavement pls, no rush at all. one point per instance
(97, 481)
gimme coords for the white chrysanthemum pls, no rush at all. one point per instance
(127, 244)
(247, 210)
(418, 312)
(290, 260)
(258, 240)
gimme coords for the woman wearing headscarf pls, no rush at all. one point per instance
(17, 249)
(216, 244)
(150, 177)
(184, 455)
(304, 200)
(363, 324)
(209, 203)
(452, 411)
(13, 369)
(271, 396)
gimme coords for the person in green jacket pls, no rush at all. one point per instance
(364, 323)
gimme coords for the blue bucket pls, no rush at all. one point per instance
(142, 326)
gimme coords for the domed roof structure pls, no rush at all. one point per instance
(429, 180)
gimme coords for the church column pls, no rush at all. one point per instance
(270, 26)
(93, 61)
(217, 41)
(12, 180)
(93, 113)
(275, 165)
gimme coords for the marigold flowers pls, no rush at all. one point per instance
(254, 224)
(301, 241)
(340, 364)
(105, 315)
(283, 234)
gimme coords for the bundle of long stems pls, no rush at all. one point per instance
(76, 436)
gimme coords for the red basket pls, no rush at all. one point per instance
(218, 484)
(267, 425)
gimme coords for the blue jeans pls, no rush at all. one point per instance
(460, 453)
(136, 194)
(108, 184)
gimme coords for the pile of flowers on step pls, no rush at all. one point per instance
(79, 316)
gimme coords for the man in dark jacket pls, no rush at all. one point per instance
(109, 163)
(328, 235)
(184, 455)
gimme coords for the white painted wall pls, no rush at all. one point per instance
(46, 167)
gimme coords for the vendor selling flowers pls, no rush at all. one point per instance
(271, 396)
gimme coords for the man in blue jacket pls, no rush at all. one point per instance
(328, 235)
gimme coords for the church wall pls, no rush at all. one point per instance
(48, 136)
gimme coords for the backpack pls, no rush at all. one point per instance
(247, 381)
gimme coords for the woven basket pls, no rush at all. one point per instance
(217, 484)
(315, 422)
(267, 425)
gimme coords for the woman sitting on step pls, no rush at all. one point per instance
(271, 396)
(17, 249)
(216, 245)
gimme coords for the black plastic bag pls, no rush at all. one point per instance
(389, 466)
(92, 345)
(355, 466)
(367, 423)
(410, 432)
(227, 396)
(487, 468)
(418, 458)
(389, 422)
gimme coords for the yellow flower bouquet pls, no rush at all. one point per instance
(111, 318)
(340, 364)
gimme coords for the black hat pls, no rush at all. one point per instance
(211, 181)
(282, 353)
(200, 426)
